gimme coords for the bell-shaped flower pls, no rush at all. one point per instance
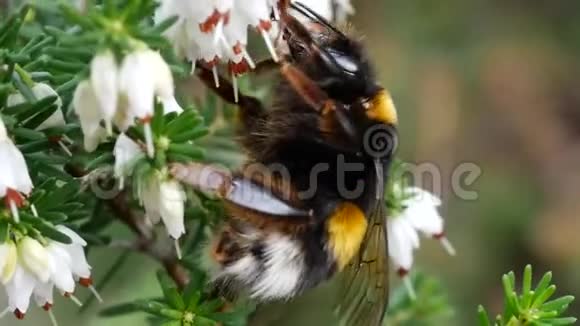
(126, 152)
(34, 257)
(80, 267)
(417, 214)
(104, 80)
(19, 290)
(14, 179)
(165, 200)
(40, 91)
(172, 207)
(143, 76)
(87, 108)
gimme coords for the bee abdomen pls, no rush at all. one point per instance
(266, 266)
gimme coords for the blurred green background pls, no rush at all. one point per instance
(494, 82)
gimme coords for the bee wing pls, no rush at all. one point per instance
(364, 292)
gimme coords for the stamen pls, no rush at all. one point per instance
(73, 299)
(95, 293)
(121, 182)
(248, 58)
(52, 318)
(14, 211)
(235, 86)
(269, 44)
(33, 209)
(447, 246)
(177, 249)
(149, 139)
(64, 148)
(216, 78)
(193, 66)
(409, 286)
(67, 138)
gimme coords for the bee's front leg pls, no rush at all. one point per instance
(250, 200)
(251, 108)
(334, 122)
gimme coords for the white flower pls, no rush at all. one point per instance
(67, 262)
(40, 91)
(19, 290)
(403, 240)
(60, 264)
(104, 80)
(419, 215)
(143, 76)
(126, 152)
(165, 200)
(88, 110)
(172, 207)
(14, 179)
(217, 30)
(79, 266)
(30, 268)
(120, 94)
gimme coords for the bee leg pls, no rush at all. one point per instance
(251, 108)
(334, 120)
(251, 200)
(203, 177)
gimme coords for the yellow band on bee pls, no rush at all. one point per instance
(382, 108)
(346, 231)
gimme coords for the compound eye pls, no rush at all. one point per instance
(346, 64)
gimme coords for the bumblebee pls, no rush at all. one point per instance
(308, 203)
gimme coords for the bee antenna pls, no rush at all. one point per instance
(311, 14)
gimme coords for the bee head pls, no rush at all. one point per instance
(341, 68)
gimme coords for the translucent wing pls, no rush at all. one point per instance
(364, 292)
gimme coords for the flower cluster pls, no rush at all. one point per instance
(121, 93)
(217, 31)
(29, 268)
(34, 266)
(163, 198)
(413, 211)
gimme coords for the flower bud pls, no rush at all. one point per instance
(8, 259)
(35, 258)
